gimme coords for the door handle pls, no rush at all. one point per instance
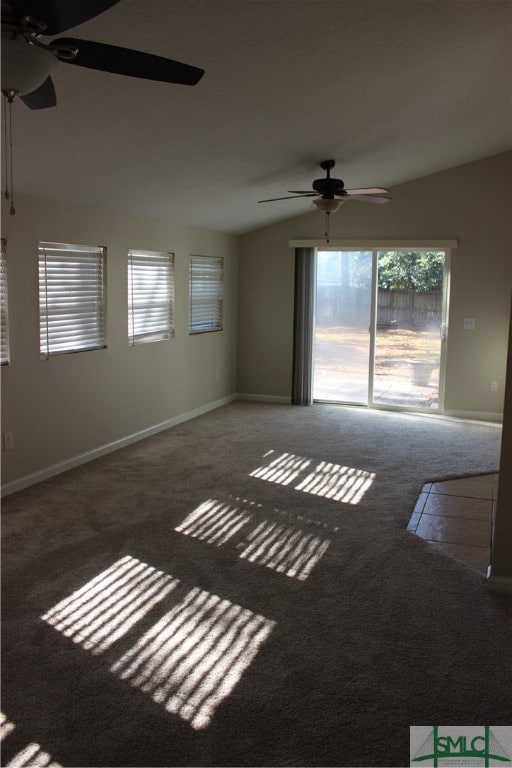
(442, 331)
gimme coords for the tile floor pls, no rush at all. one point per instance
(455, 516)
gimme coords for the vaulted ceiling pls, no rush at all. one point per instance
(391, 89)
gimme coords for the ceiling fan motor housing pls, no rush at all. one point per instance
(329, 187)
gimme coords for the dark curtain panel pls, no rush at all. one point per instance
(303, 326)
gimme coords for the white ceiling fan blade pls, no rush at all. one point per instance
(370, 198)
(368, 191)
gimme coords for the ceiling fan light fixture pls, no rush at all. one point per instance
(24, 66)
(327, 205)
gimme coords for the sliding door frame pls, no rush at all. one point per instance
(373, 325)
(377, 246)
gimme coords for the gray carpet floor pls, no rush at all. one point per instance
(241, 590)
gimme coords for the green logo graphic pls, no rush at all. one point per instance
(460, 749)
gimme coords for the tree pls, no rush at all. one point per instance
(409, 270)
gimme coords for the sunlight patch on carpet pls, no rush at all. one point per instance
(213, 522)
(31, 755)
(283, 470)
(106, 608)
(286, 549)
(332, 481)
(188, 661)
(193, 657)
(5, 726)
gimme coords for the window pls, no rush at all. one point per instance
(206, 294)
(71, 298)
(4, 324)
(150, 296)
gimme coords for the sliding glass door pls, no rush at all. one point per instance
(409, 330)
(380, 328)
(342, 330)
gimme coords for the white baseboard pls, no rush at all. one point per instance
(500, 584)
(489, 417)
(265, 398)
(476, 415)
(95, 453)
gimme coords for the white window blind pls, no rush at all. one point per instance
(206, 294)
(150, 296)
(71, 298)
(4, 320)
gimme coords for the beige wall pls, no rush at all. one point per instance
(71, 404)
(470, 203)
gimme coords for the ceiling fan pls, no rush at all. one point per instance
(27, 63)
(328, 189)
(325, 192)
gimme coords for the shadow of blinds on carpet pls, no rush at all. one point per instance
(303, 325)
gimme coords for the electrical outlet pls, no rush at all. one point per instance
(469, 323)
(8, 441)
(494, 386)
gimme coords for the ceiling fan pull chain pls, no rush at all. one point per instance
(8, 99)
(327, 225)
(6, 166)
(12, 210)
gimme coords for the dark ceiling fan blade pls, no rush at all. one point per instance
(60, 15)
(289, 197)
(370, 198)
(368, 191)
(124, 61)
(42, 97)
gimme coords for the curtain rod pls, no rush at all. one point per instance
(381, 243)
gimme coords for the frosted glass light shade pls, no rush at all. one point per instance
(327, 206)
(25, 66)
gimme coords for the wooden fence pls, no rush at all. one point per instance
(408, 309)
(395, 309)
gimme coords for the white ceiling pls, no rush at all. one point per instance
(392, 89)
